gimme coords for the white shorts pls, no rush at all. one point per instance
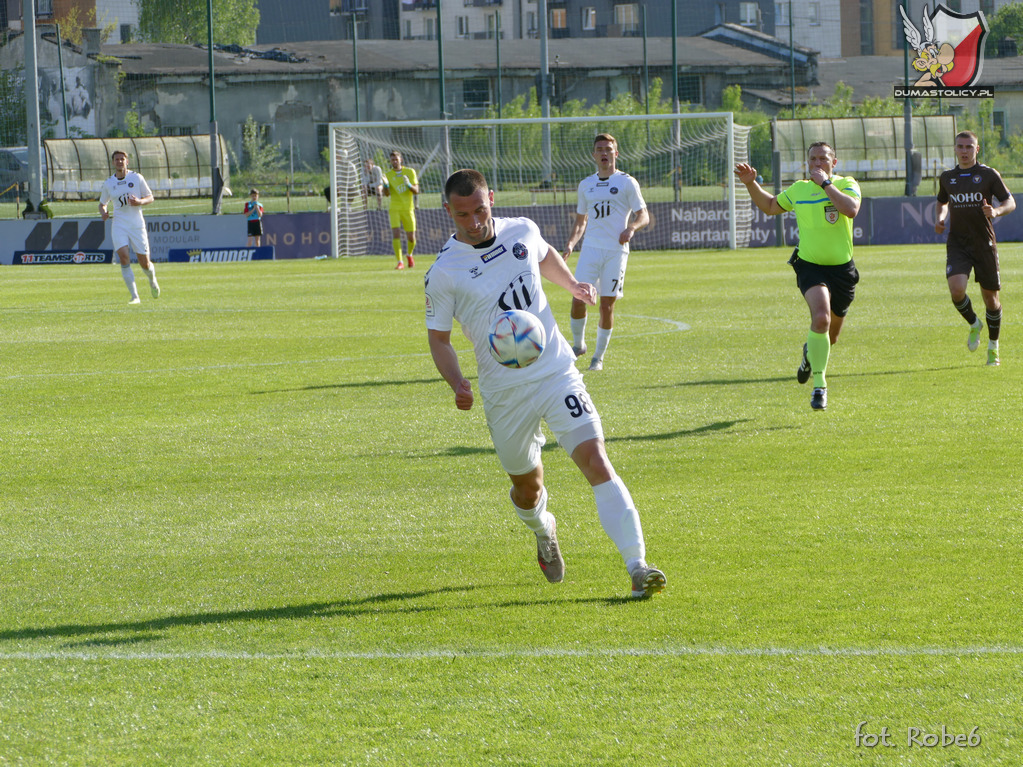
(603, 268)
(136, 238)
(514, 415)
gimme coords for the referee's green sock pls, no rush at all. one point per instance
(818, 349)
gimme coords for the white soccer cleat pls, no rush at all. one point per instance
(596, 364)
(548, 555)
(136, 300)
(647, 581)
(154, 288)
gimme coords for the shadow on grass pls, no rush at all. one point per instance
(786, 379)
(144, 630)
(97, 635)
(458, 451)
(350, 385)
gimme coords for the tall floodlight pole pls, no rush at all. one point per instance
(674, 56)
(215, 174)
(497, 37)
(440, 65)
(907, 112)
(544, 95)
(355, 61)
(35, 187)
(63, 90)
(792, 64)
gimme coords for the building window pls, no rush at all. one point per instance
(781, 13)
(531, 29)
(866, 28)
(748, 14)
(589, 20)
(462, 23)
(44, 8)
(690, 89)
(476, 93)
(559, 18)
(408, 29)
(814, 14)
(429, 24)
(491, 26)
(627, 17)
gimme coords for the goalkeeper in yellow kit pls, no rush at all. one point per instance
(402, 186)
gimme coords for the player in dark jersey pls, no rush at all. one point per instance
(965, 200)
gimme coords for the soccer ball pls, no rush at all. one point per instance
(517, 338)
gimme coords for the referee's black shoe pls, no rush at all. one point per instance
(803, 372)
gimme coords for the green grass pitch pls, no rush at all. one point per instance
(245, 524)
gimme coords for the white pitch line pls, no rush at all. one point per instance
(675, 652)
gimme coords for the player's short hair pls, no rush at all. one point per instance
(464, 183)
(117, 152)
(824, 145)
(395, 151)
(605, 137)
(253, 191)
(968, 134)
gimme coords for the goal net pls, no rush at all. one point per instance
(683, 164)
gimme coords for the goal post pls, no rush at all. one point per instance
(684, 159)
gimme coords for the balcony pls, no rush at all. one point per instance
(482, 3)
(418, 5)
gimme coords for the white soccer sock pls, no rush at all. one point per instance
(129, 279)
(603, 339)
(537, 519)
(620, 520)
(151, 272)
(578, 331)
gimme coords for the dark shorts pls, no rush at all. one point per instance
(961, 258)
(255, 228)
(840, 281)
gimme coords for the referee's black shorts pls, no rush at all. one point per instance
(840, 280)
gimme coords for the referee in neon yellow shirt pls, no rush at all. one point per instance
(402, 186)
(825, 206)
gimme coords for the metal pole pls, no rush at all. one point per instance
(440, 65)
(907, 114)
(355, 59)
(63, 90)
(792, 64)
(498, 36)
(35, 187)
(544, 94)
(217, 179)
(674, 56)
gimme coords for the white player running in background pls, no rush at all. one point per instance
(128, 191)
(607, 201)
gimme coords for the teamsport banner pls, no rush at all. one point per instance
(27, 258)
(219, 255)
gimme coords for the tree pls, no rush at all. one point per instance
(184, 21)
(1008, 22)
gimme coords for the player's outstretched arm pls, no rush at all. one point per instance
(446, 360)
(555, 269)
(767, 203)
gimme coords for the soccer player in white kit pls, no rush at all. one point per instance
(491, 265)
(128, 191)
(607, 201)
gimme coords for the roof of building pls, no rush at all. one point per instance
(389, 56)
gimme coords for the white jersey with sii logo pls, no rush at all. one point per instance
(607, 204)
(116, 190)
(475, 284)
